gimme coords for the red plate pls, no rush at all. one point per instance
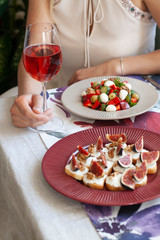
(56, 157)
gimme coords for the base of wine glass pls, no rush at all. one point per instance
(54, 125)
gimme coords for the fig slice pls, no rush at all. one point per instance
(125, 161)
(119, 147)
(138, 146)
(99, 144)
(127, 179)
(96, 169)
(83, 151)
(140, 171)
(114, 137)
(74, 164)
(103, 158)
(149, 157)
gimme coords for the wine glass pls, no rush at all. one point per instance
(42, 59)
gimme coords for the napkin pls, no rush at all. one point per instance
(71, 124)
(140, 221)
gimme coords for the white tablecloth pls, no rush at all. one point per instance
(29, 208)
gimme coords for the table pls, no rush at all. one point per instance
(29, 207)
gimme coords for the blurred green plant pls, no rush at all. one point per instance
(12, 28)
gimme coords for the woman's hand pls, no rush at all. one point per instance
(109, 68)
(26, 111)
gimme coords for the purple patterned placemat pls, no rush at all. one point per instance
(134, 222)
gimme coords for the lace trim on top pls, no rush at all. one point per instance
(136, 12)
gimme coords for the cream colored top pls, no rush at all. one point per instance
(94, 31)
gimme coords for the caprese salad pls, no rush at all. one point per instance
(110, 95)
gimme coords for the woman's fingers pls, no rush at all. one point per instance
(82, 74)
(22, 111)
(38, 106)
(77, 76)
(37, 103)
(24, 104)
(109, 68)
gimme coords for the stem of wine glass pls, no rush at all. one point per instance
(44, 94)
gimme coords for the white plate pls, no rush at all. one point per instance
(71, 99)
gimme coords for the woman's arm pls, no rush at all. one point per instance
(27, 108)
(38, 11)
(141, 64)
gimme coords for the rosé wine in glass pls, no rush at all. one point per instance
(42, 61)
(42, 57)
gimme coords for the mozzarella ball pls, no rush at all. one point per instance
(110, 108)
(104, 97)
(128, 85)
(123, 94)
(83, 93)
(108, 83)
